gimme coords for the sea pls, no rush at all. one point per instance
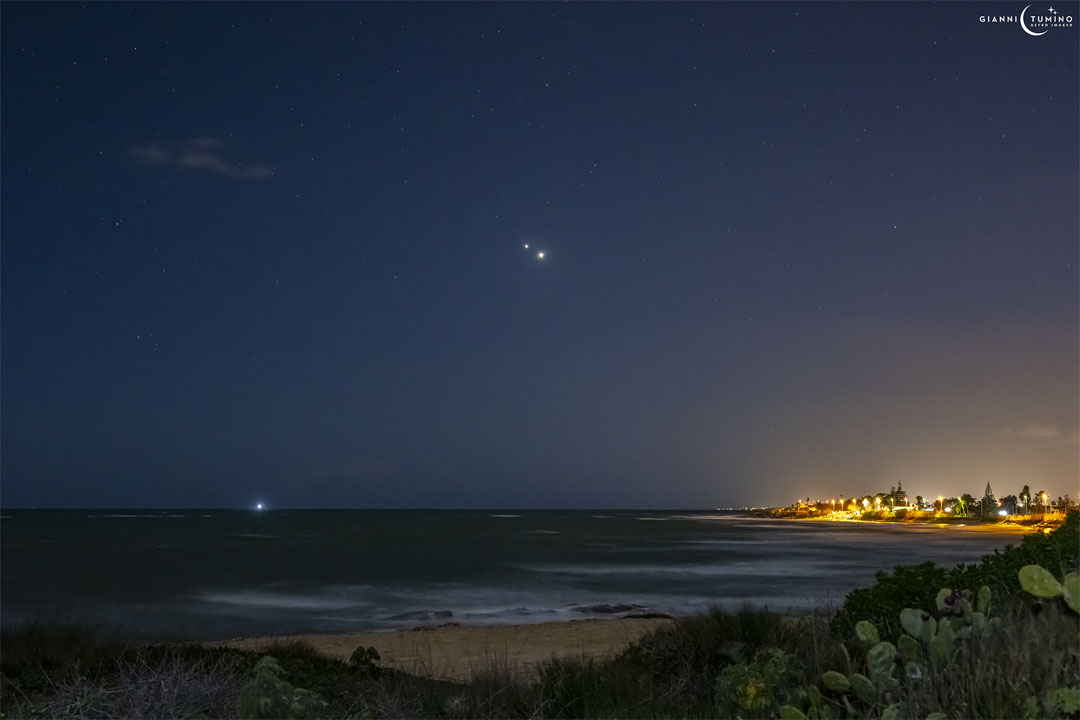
(203, 574)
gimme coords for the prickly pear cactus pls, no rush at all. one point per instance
(879, 661)
(866, 632)
(1038, 581)
(1072, 591)
(912, 621)
(864, 687)
(837, 682)
(908, 647)
(872, 690)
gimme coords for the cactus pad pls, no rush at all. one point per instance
(1038, 581)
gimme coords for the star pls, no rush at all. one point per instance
(540, 255)
(526, 246)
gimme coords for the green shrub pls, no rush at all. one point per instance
(684, 659)
(916, 586)
(757, 688)
(1058, 552)
(269, 695)
(907, 586)
(365, 660)
(590, 688)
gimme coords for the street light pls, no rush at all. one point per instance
(941, 499)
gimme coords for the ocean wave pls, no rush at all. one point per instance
(252, 587)
(730, 541)
(761, 569)
(259, 598)
(423, 615)
(520, 614)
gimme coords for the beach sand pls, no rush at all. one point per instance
(1003, 528)
(453, 652)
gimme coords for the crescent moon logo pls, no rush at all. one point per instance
(1024, 26)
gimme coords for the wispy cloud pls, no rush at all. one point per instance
(1045, 431)
(201, 153)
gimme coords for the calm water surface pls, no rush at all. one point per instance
(225, 573)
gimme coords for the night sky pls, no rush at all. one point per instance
(276, 252)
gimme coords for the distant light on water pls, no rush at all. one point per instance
(258, 506)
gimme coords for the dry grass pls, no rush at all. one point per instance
(669, 673)
(176, 687)
(994, 676)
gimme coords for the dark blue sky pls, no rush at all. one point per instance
(276, 251)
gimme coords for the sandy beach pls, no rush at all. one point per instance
(453, 651)
(1002, 528)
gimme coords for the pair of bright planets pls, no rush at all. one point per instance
(539, 254)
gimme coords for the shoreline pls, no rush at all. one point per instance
(453, 651)
(1003, 527)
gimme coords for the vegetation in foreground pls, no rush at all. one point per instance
(995, 640)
